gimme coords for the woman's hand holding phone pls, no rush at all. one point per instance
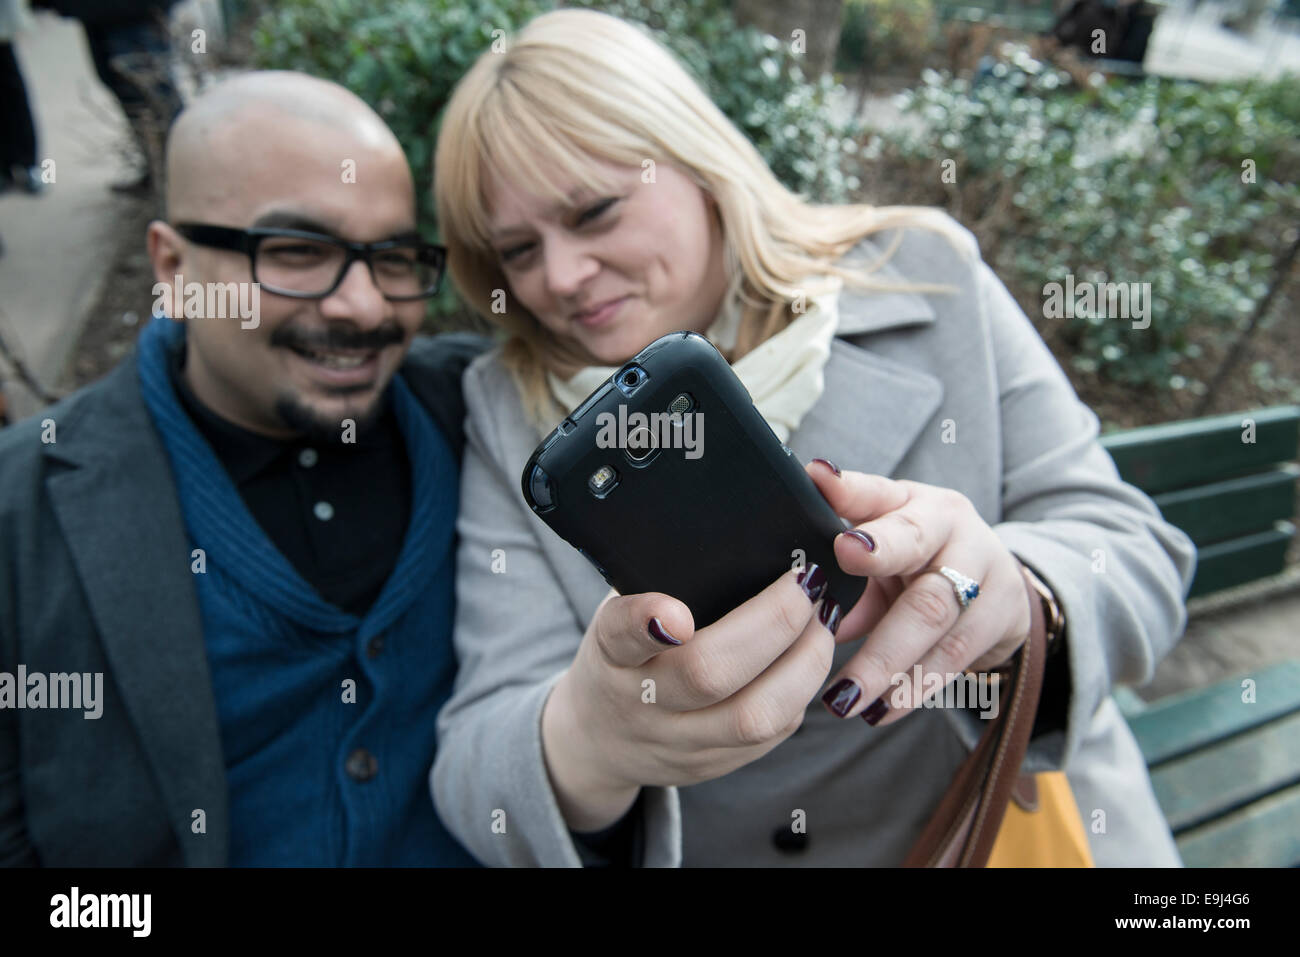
(635, 709)
(912, 617)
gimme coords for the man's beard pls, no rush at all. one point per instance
(298, 415)
(318, 429)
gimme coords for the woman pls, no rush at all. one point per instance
(592, 199)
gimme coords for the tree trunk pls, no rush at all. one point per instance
(1281, 272)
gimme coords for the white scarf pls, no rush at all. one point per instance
(783, 375)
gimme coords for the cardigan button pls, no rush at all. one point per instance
(789, 841)
(362, 765)
(375, 646)
(308, 457)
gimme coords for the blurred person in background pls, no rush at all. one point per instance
(18, 167)
(131, 49)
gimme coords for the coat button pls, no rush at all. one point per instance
(323, 510)
(307, 458)
(375, 646)
(362, 765)
(791, 842)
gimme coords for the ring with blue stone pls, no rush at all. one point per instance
(966, 589)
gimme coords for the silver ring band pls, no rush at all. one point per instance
(966, 589)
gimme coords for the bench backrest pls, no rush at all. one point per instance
(1228, 481)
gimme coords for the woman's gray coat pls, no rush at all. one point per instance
(954, 390)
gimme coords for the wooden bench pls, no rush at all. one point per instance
(1225, 768)
(1231, 489)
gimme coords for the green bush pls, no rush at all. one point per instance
(1121, 182)
(404, 57)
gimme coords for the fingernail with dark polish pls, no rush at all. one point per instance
(875, 712)
(829, 615)
(813, 581)
(829, 464)
(842, 696)
(658, 633)
(863, 537)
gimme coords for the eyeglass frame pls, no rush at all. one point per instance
(247, 240)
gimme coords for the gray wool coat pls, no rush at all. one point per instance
(905, 370)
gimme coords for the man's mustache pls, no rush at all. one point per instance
(340, 336)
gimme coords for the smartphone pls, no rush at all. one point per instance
(669, 480)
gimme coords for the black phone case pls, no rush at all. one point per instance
(712, 531)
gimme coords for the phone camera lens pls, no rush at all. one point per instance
(631, 377)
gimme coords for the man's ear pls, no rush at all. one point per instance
(167, 254)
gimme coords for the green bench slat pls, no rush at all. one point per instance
(1183, 722)
(1212, 781)
(1162, 458)
(1246, 559)
(1266, 834)
(1233, 507)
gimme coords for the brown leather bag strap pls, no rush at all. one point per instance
(962, 830)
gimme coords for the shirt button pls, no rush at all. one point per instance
(362, 765)
(323, 510)
(792, 842)
(307, 458)
(375, 646)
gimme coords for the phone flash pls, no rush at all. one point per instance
(601, 479)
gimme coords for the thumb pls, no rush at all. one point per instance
(629, 630)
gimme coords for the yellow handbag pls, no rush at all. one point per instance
(1042, 826)
(970, 817)
(994, 816)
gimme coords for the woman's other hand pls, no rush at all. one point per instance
(910, 616)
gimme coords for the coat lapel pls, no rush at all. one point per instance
(871, 413)
(872, 408)
(118, 510)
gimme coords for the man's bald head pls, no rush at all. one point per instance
(250, 124)
(284, 151)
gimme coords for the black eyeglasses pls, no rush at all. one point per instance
(305, 265)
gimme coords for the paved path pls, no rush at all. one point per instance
(1231, 633)
(56, 243)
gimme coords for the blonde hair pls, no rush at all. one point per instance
(575, 85)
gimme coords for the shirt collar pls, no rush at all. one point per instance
(246, 454)
(243, 453)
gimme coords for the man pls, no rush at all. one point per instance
(226, 570)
